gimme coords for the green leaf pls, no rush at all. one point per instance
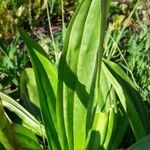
(28, 86)
(26, 138)
(79, 64)
(46, 80)
(29, 93)
(142, 144)
(98, 131)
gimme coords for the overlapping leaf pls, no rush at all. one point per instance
(127, 94)
(78, 67)
(108, 118)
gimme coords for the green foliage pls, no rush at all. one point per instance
(12, 63)
(80, 104)
(14, 136)
(139, 60)
(127, 41)
(28, 91)
(142, 144)
(26, 138)
(27, 119)
(86, 102)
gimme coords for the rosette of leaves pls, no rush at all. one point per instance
(86, 102)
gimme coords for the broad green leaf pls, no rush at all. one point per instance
(142, 144)
(28, 86)
(98, 131)
(7, 137)
(29, 121)
(29, 93)
(79, 64)
(46, 81)
(26, 138)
